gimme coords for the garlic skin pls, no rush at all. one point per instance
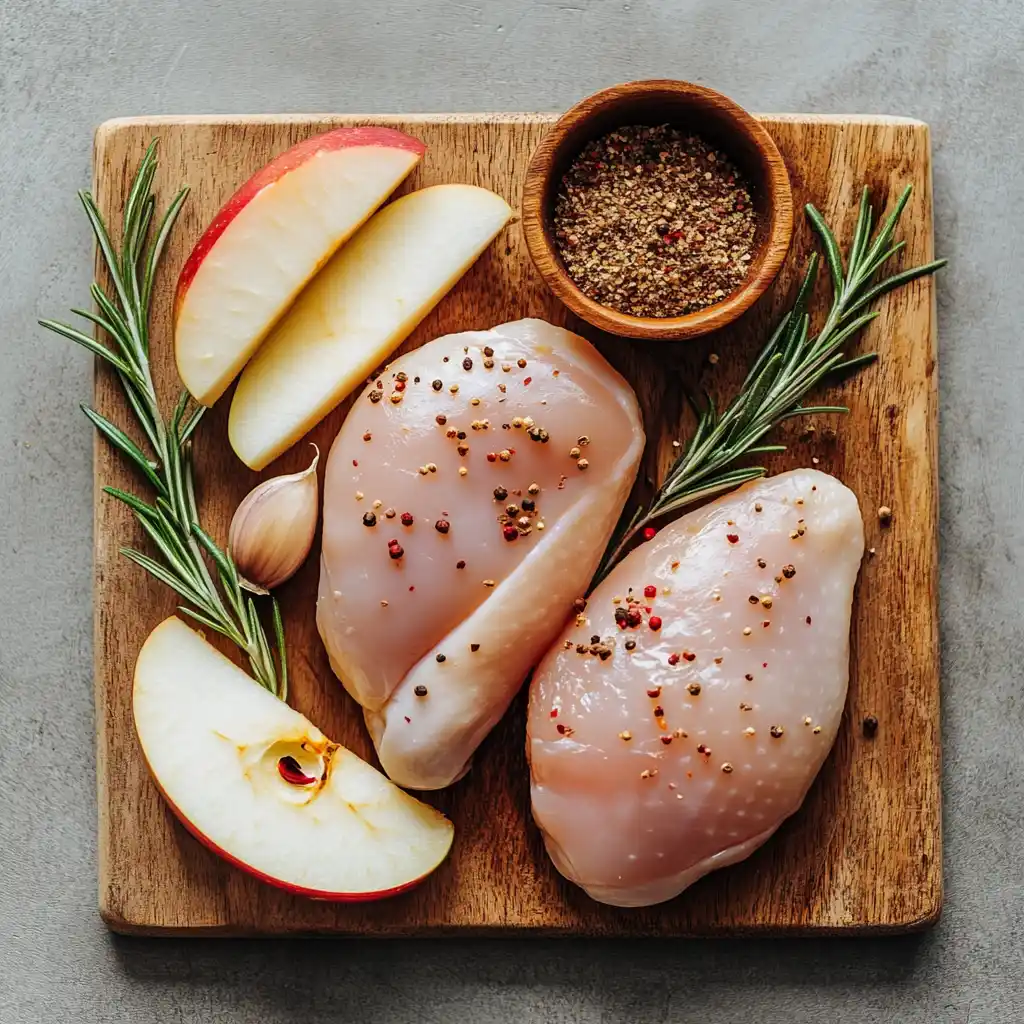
(272, 529)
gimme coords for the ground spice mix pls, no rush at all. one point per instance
(654, 222)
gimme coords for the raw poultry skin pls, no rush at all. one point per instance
(661, 763)
(435, 633)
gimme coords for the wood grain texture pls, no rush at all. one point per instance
(864, 852)
(660, 101)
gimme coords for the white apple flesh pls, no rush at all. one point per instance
(260, 785)
(270, 238)
(357, 311)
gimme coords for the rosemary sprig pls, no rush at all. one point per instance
(791, 363)
(171, 521)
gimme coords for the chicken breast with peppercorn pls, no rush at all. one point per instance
(684, 719)
(467, 501)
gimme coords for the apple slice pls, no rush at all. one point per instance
(357, 311)
(261, 786)
(270, 238)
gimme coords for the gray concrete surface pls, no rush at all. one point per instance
(65, 65)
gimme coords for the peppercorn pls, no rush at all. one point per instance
(420, 690)
(539, 434)
(528, 505)
(509, 532)
(500, 494)
(369, 519)
(442, 526)
(407, 519)
(647, 176)
(654, 622)
(467, 363)
(440, 658)
(441, 419)
(870, 726)
(395, 550)
(460, 564)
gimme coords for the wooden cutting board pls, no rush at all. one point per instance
(864, 852)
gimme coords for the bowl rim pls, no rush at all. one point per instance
(774, 180)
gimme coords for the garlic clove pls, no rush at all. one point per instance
(272, 529)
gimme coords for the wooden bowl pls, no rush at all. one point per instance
(683, 105)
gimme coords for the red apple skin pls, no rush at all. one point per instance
(298, 890)
(340, 138)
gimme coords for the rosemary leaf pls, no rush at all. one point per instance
(136, 504)
(154, 568)
(120, 440)
(88, 342)
(832, 254)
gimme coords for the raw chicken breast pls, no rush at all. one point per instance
(439, 588)
(688, 746)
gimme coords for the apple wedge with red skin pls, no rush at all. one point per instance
(262, 787)
(270, 238)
